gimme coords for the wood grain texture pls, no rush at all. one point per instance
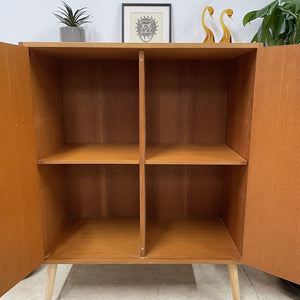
(93, 154)
(272, 223)
(46, 97)
(234, 201)
(192, 154)
(101, 101)
(186, 102)
(130, 50)
(21, 248)
(54, 202)
(49, 132)
(51, 274)
(190, 240)
(184, 191)
(92, 240)
(142, 144)
(102, 241)
(234, 281)
(103, 191)
(238, 129)
(240, 100)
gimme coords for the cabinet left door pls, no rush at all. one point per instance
(21, 245)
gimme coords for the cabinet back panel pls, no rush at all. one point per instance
(100, 101)
(103, 191)
(46, 94)
(186, 101)
(184, 191)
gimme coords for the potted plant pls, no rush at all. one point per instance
(281, 23)
(72, 32)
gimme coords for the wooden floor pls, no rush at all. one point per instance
(117, 241)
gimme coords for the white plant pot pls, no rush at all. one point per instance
(72, 34)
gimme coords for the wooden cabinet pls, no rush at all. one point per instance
(149, 153)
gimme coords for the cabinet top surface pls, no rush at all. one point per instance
(152, 51)
(140, 45)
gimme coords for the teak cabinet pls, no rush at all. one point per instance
(149, 153)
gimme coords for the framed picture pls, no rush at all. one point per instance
(146, 22)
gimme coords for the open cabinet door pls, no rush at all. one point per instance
(21, 249)
(272, 220)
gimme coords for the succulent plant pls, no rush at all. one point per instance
(72, 19)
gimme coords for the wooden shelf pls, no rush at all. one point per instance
(117, 241)
(93, 154)
(192, 155)
(190, 241)
(97, 240)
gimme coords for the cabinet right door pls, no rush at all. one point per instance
(272, 217)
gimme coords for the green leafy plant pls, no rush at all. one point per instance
(281, 23)
(66, 16)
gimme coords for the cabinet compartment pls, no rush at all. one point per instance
(199, 111)
(89, 211)
(185, 209)
(81, 104)
(198, 116)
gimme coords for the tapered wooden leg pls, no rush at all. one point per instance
(51, 273)
(234, 280)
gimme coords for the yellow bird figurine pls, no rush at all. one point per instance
(226, 38)
(209, 34)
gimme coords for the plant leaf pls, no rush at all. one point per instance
(66, 15)
(249, 17)
(288, 12)
(260, 13)
(281, 23)
(297, 31)
(254, 39)
(281, 26)
(297, 7)
(268, 27)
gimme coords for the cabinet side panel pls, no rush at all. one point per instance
(21, 249)
(53, 197)
(48, 112)
(272, 222)
(233, 206)
(239, 106)
(49, 131)
(238, 129)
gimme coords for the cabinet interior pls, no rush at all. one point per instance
(198, 119)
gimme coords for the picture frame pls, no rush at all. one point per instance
(146, 23)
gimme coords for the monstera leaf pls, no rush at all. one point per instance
(280, 25)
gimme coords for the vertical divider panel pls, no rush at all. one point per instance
(142, 148)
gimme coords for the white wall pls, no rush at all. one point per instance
(32, 20)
